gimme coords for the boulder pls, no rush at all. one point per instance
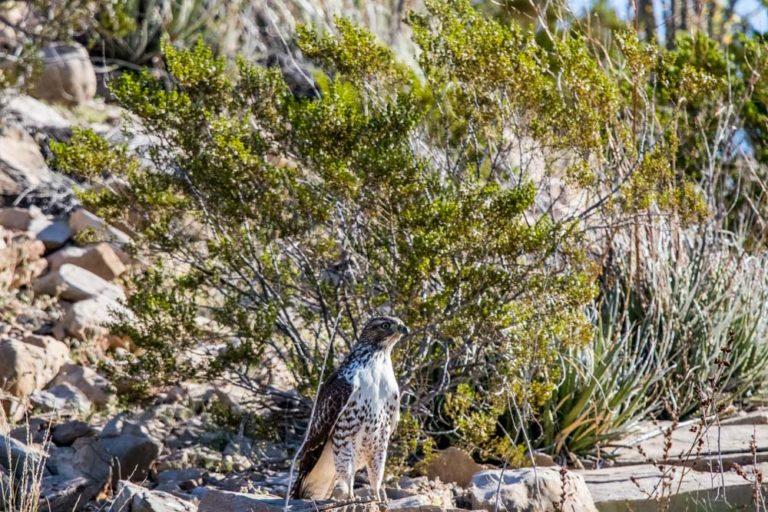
(59, 493)
(434, 492)
(26, 368)
(82, 219)
(62, 398)
(99, 259)
(134, 498)
(53, 233)
(64, 434)
(530, 490)
(216, 500)
(89, 319)
(416, 503)
(20, 261)
(453, 465)
(74, 283)
(16, 218)
(18, 458)
(180, 476)
(22, 166)
(90, 383)
(132, 449)
(67, 75)
(34, 115)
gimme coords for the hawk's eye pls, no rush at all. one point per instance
(385, 326)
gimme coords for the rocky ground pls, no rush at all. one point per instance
(62, 424)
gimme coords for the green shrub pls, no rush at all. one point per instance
(285, 222)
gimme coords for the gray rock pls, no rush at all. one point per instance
(61, 398)
(413, 504)
(67, 75)
(74, 283)
(64, 434)
(59, 493)
(215, 500)
(91, 384)
(130, 447)
(34, 115)
(640, 488)
(134, 498)
(178, 476)
(88, 320)
(53, 233)
(18, 458)
(530, 490)
(33, 431)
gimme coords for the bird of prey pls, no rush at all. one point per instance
(356, 412)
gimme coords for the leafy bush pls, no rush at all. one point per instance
(276, 224)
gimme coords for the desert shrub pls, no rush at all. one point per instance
(277, 224)
(681, 331)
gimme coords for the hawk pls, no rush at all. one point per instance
(356, 412)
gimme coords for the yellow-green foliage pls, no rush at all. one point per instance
(388, 191)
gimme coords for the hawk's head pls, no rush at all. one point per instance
(383, 331)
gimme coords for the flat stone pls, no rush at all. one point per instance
(61, 398)
(63, 492)
(64, 434)
(216, 500)
(73, 283)
(91, 384)
(99, 259)
(728, 443)
(134, 498)
(748, 418)
(53, 233)
(81, 220)
(34, 114)
(614, 490)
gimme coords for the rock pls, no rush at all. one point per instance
(90, 383)
(642, 488)
(747, 418)
(33, 431)
(18, 458)
(530, 490)
(416, 503)
(74, 283)
(34, 115)
(25, 368)
(134, 498)
(435, 492)
(60, 493)
(22, 166)
(53, 233)
(99, 259)
(67, 76)
(541, 459)
(61, 398)
(453, 465)
(88, 319)
(179, 476)
(216, 500)
(20, 261)
(64, 434)
(82, 219)
(132, 449)
(16, 218)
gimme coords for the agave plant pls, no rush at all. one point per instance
(132, 32)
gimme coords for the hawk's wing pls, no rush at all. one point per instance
(331, 401)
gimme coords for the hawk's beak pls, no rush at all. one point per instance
(403, 330)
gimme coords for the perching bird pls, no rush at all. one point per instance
(355, 414)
